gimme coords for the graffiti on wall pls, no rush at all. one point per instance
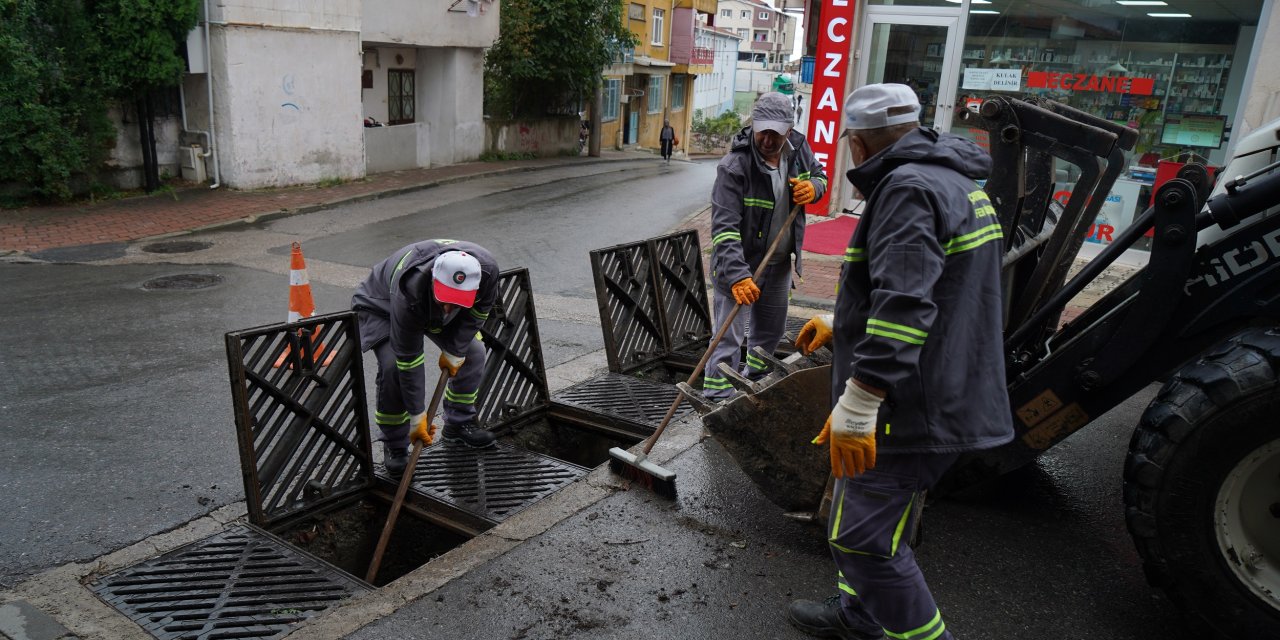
(291, 106)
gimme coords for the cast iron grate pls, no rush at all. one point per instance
(683, 287)
(301, 417)
(237, 584)
(494, 483)
(639, 403)
(630, 306)
(515, 379)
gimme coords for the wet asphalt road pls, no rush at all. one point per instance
(115, 425)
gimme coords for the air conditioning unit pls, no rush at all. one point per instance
(192, 162)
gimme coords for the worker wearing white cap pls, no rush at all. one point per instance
(916, 330)
(769, 168)
(443, 289)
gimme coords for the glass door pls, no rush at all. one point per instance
(914, 50)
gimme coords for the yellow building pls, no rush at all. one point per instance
(654, 81)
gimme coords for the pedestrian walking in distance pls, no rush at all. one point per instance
(769, 168)
(443, 290)
(667, 138)
(917, 375)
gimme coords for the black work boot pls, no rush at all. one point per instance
(469, 434)
(395, 459)
(823, 620)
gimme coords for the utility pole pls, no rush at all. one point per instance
(597, 103)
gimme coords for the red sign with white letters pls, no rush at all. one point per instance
(1090, 82)
(826, 116)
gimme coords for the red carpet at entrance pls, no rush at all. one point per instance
(830, 237)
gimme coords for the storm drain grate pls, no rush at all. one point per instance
(183, 282)
(237, 584)
(639, 403)
(493, 483)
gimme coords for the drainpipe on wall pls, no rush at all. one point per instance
(208, 63)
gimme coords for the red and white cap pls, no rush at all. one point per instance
(457, 277)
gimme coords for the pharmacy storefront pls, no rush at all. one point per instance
(1175, 70)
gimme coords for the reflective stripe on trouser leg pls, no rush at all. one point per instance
(459, 405)
(389, 411)
(869, 532)
(714, 385)
(768, 318)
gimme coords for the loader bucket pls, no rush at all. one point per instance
(768, 431)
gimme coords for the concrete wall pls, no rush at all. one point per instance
(451, 99)
(123, 168)
(338, 15)
(429, 23)
(287, 101)
(393, 148)
(546, 137)
(1261, 99)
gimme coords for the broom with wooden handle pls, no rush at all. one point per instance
(636, 466)
(405, 481)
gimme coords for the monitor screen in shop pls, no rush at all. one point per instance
(1185, 130)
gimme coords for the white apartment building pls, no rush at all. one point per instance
(713, 92)
(282, 88)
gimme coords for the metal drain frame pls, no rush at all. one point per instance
(652, 300)
(648, 403)
(201, 583)
(445, 474)
(302, 426)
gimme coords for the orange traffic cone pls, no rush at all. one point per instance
(301, 305)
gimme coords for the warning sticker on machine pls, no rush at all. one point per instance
(1056, 426)
(1040, 407)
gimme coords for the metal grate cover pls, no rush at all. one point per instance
(515, 378)
(301, 418)
(683, 287)
(240, 583)
(640, 404)
(630, 309)
(494, 483)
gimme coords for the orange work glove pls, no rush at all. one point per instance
(422, 431)
(815, 334)
(802, 191)
(745, 291)
(451, 363)
(851, 430)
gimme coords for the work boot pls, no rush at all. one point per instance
(395, 459)
(469, 434)
(823, 620)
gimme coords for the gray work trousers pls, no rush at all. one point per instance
(459, 393)
(766, 319)
(881, 586)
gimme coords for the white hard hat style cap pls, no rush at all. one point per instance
(772, 112)
(457, 277)
(868, 106)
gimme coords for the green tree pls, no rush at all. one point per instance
(140, 54)
(549, 54)
(53, 122)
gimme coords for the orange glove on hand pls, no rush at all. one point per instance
(746, 291)
(815, 334)
(851, 430)
(802, 191)
(451, 363)
(422, 431)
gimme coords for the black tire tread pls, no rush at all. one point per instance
(1247, 364)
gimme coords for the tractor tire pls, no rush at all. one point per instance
(1202, 488)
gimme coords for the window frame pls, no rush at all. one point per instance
(610, 105)
(393, 85)
(655, 94)
(764, 15)
(677, 94)
(655, 32)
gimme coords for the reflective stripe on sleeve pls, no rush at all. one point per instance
(855, 254)
(390, 419)
(973, 239)
(478, 314)
(895, 331)
(758, 202)
(726, 235)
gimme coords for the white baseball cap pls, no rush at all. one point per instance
(868, 106)
(457, 277)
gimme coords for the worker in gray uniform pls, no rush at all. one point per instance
(917, 368)
(769, 168)
(443, 290)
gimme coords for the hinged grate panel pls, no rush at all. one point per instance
(683, 287)
(301, 417)
(641, 404)
(630, 306)
(240, 583)
(515, 378)
(493, 483)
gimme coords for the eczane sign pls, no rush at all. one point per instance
(830, 68)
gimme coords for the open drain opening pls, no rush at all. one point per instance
(565, 441)
(347, 536)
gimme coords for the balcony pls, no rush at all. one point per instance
(762, 45)
(685, 53)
